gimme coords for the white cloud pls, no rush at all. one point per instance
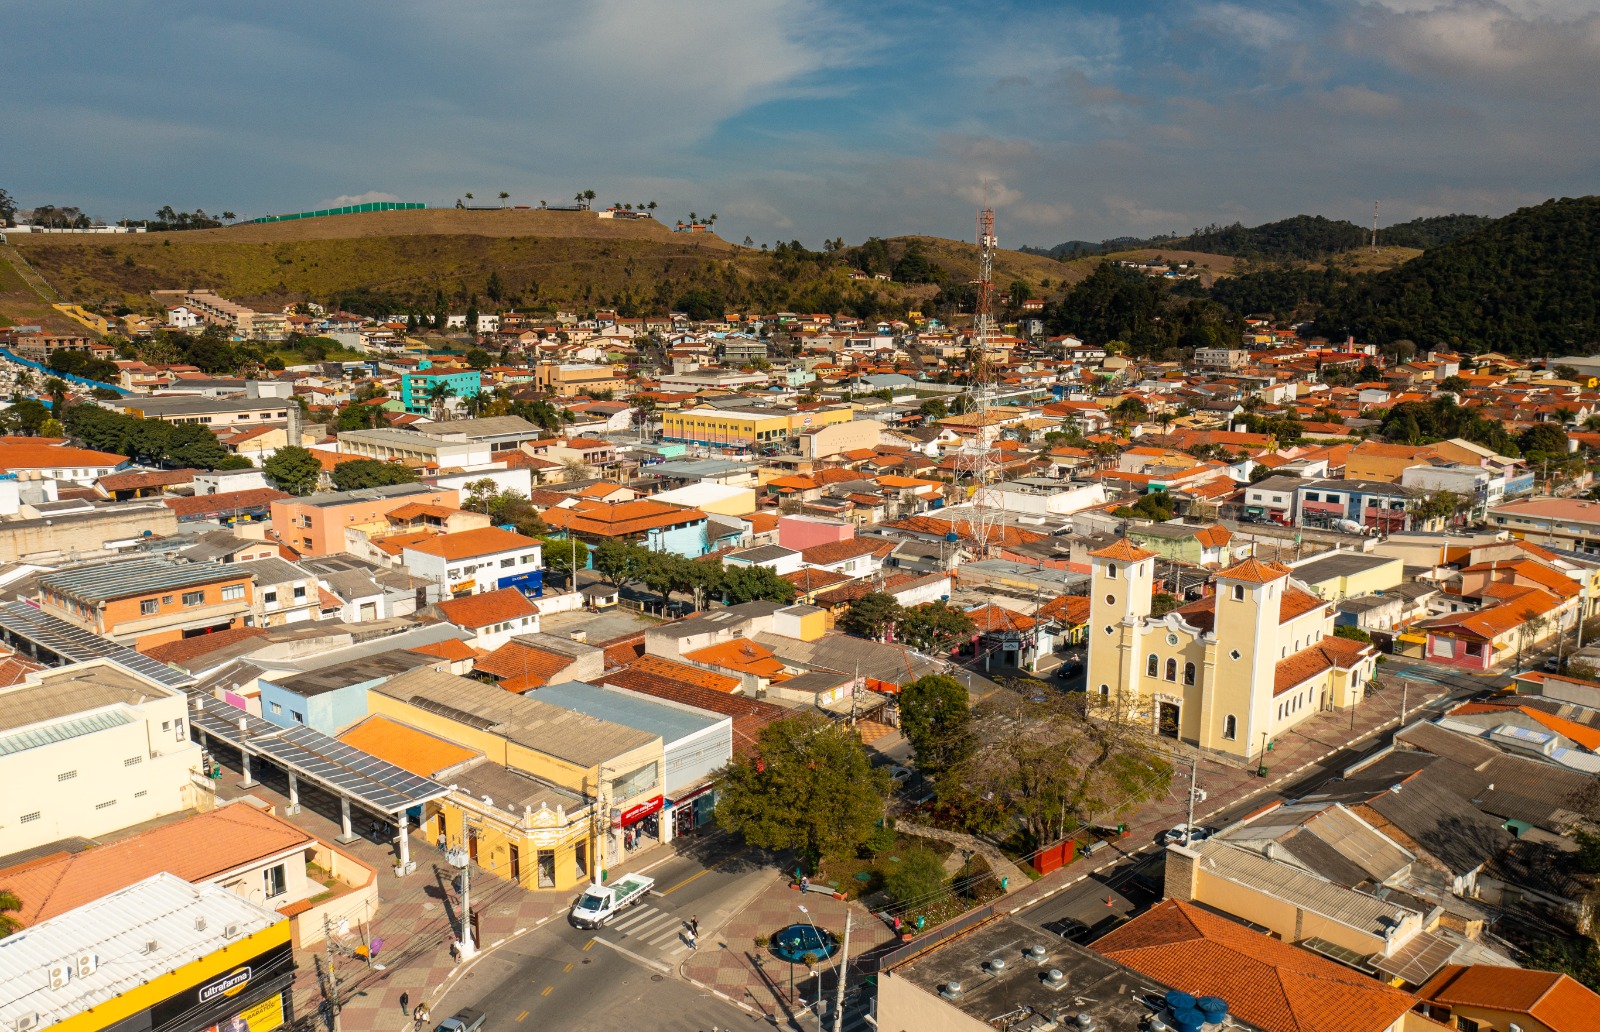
(370, 197)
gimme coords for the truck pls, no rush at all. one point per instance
(464, 1020)
(600, 903)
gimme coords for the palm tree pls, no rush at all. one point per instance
(503, 196)
(712, 219)
(439, 394)
(652, 207)
(693, 218)
(9, 904)
(469, 196)
(228, 216)
(588, 196)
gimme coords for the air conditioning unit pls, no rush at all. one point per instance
(150, 946)
(27, 1022)
(230, 931)
(87, 962)
(60, 975)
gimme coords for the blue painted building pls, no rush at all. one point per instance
(331, 698)
(416, 388)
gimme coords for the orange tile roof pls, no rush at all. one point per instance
(1254, 571)
(686, 674)
(811, 579)
(185, 649)
(742, 655)
(1268, 983)
(453, 649)
(518, 659)
(1496, 620)
(28, 453)
(1214, 537)
(1068, 609)
(218, 503)
(475, 611)
(405, 746)
(991, 619)
(620, 519)
(830, 552)
(1327, 654)
(412, 510)
(1122, 550)
(195, 849)
(1583, 734)
(1554, 1000)
(471, 544)
(1297, 603)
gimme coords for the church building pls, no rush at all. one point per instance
(1230, 672)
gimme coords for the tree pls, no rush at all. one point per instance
(439, 394)
(479, 359)
(1162, 603)
(937, 722)
(1440, 504)
(934, 626)
(504, 195)
(1543, 441)
(1353, 633)
(872, 616)
(293, 469)
(575, 469)
(621, 562)
(353, 474)
(9, 904)
(918, 879)
(754, 584)
(810, 789)
(8, 209)
(559, 556)
(933, 408)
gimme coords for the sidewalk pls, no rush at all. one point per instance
(1227, 785)
(415, 921)
(729, 964)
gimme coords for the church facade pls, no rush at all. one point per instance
(1230, 672)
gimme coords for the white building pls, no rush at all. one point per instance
(471, 562)
(183, 317)
(89, 749)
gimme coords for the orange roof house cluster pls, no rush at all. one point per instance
(1554, 1000)
(470, 544)
(620, 519)
(740, 655)
(491, 607)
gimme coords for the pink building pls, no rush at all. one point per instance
(802, 532)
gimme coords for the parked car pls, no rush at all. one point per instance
(1552, 665)
(1184, 834)
(465, 1020)
(899, 775)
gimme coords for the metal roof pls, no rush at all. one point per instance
(185, 922)
(25, 621)
(61, 730)
(346, 771)
(142, 576)
(1348, 907)
(672, 723)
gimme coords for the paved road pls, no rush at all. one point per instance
(624, 975)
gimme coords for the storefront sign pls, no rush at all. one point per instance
(638, 812)
(261, 1017)
(230, 984)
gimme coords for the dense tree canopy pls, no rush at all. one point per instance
(937, 722)
(148, 441)
(293, 469)
(353, 474)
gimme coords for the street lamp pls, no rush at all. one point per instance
(822, 947)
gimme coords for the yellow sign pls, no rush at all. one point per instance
(262, 1017)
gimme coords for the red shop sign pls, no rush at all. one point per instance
(639, 811)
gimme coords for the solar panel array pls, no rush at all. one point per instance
(76, 645)
(319, 758)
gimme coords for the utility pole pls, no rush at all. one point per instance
(1405, 686)
(844, 973)
(1194, 790)
(328, 975)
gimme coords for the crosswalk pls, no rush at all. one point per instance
(658, 929)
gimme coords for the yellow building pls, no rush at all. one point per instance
(161, 953)
(530, 820)
(1341, 575)
(568, 379)
(1230, 672)
(738, 428)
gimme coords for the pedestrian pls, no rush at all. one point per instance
(420, 1016)
(405, 1002)
(693, 947)
(805, 884)
(694, 926)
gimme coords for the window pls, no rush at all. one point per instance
(528, 559)
(149, 607)
(66, 775)
(194, 598)
(1234, 654)
(1172, 670)
(1311, 496)
(133, 761)
(269, 596)
(1466, 1024)
(1152, 666)
(28, 818)
(166, 600)
(1238, 592)
(277, 709)
(275, 881)
(1105, 691)
(1109, 629)
(300, 592)
(1230, 727)
(1111, 600)
(507, 563)
(299, 718)
(1111, 572)
(233, 592)
(1188, 673)
(141, 793)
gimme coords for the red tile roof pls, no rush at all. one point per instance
(686, 674)
(1554, 1000)
(473, 611)
(749, 715)
(195, 849)
(186, 649)
(742, 655)
(453, 649)
(1122, 550)
(405, 746)
(1270, 984)
(516, 659)
(200, 505)
(472, 544)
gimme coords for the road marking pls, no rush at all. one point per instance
(567, 968)
(646, 916)
(588, 945)
(653, 926)
(547, 990)
(658, 965)
(522, 1015)
(702, 874)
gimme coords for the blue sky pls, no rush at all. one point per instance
(811, 119)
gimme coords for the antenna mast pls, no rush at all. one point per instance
(1374, 227)
(987, 519)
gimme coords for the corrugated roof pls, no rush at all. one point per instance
(103, 582)
(1307, 891)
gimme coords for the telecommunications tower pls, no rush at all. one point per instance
(975, 459)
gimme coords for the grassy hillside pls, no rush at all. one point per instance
(402, 260)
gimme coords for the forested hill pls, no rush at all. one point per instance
(1302, 238)
(1527, 284)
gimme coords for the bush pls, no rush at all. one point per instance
(917, 878)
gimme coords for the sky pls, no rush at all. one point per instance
(810, 119)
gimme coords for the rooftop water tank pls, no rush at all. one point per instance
(1188, 1019)
(1176, 1000)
